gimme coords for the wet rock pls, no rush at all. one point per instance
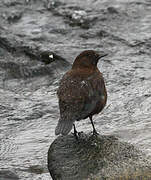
(91, 157)
(9, 3)
(88, 34)
(14, 16)
(2, 52)
(8, 175)
(80, 18)
(50, 5)
(112, 10)
(73, 15)
(34, 52)
(103, 34)
(34, 31)
(22, 71)
(6, 43)
(48, 57)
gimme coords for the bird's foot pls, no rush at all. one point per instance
(95, 133)
(76, 135)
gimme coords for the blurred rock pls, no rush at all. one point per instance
(8, 175)
(96, 157)
(112, 10)
(14, 16)
(39, 40)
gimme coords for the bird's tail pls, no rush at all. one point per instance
(63, 127)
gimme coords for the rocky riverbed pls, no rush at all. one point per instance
(39, 40)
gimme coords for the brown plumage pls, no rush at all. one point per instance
(81, 93)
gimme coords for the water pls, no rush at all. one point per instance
(28, 102)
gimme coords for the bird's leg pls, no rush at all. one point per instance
(94, 130)
(75, 132)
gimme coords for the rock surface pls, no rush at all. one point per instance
(8, 175)
(31, 32)
(96, 158)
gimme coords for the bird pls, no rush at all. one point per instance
(81, 93)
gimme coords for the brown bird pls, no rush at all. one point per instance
(81, 93)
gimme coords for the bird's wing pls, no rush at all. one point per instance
(77, 97)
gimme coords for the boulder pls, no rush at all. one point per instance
(96, 158)
(8, 175)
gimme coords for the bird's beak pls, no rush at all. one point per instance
(101, 56)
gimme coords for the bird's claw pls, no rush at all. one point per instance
(95, 133)
(75, 135)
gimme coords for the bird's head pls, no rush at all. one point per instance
(87, 59)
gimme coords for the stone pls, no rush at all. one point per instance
(96, 158)
(8, 175)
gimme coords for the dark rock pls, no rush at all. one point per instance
(32, 52)
(50, 5)
(103, 34)
(48, 57)
(2, 52)
(9, 3)
(33, 30)
(6, 43)
(96, 157)
(80, 18)
(22, 71)
(14, 16)
(88, 34)
(112, 10)
(8, 175)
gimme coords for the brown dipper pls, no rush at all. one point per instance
(81, 93)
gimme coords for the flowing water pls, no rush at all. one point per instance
(28, 102)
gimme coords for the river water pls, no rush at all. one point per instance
(28, 102)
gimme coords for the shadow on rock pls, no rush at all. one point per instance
(96, 158)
